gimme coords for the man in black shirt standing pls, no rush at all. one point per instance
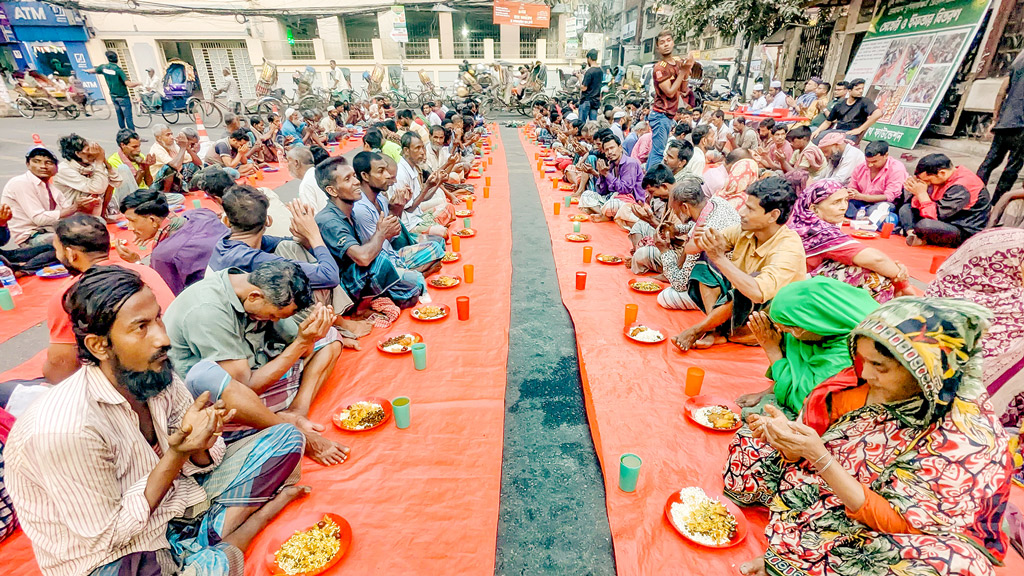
(1007, 132)
(590, 88)
(853, 116)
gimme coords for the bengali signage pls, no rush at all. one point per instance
(399, 30)
(909, 58)
(522, 14)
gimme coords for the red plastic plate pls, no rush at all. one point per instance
(741, 521)
(703, 401)
(384, 403)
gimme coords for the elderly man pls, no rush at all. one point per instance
(183, 244)
(744, 265)
(642, 149)
(171, 154)
(292, 128)
(879, 179)
(841, 157)
(757, 100)
(85, 173)
(35, 205)
(743, 136)
(119, 470)
(131, 164)
(618, 184)
(427, 210)
(944, 205)
(229, 88)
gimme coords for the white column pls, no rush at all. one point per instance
(509, 41)
(542, 49)
(385, 24)
(435, 49)
(332, 34)
(447, 35)
(488, 49)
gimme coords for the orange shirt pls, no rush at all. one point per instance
(59, 321)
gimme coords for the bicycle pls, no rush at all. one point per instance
(97, 107)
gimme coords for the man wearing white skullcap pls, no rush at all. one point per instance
(777, 95)
(757, 100)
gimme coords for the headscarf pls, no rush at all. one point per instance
(742, 174)
(938, 340)
(828, 308)
(818, 236)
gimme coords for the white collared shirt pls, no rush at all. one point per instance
(29, 199)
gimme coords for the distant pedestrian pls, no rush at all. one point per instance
(230, 91)
(1007, 132)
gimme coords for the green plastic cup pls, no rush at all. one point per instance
(466, 223)
(419, 355)
(576, 227)
(6, 300)
(400, 408)
(196, 204)
(629, 472)
(568, 201)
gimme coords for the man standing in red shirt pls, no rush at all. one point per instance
(669, 75)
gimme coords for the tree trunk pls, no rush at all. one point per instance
(746, 71)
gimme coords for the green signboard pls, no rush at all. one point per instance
(909, 57)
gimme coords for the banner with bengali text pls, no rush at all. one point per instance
(522, 14)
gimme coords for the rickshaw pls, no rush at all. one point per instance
(179, 84)
(270, 99)
(35, 92)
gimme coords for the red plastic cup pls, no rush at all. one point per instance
(887, 229)
(581, 280)
(462, 305)
(937, 261)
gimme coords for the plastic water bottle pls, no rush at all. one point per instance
(861, 214)
(8, 281)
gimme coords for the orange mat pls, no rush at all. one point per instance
(422, 500)
(634, 397)
(918, 259)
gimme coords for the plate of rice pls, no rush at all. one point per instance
(465, 232)
(713, 412)
(463, 213)
(577, 237)
(645, 333)
(645, 286)
(609, 259)
(399, 343)
(313, 549)
(362, 415)
(444, 282)
(450, 257)
(706, 521)
(431, 312)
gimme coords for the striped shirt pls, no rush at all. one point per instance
(77, 467)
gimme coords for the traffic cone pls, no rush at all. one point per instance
(203, 137)
(37, 140)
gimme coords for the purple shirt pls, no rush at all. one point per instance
(181, 259)
(889, 181)
(623, 179)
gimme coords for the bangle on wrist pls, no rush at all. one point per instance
(827, 465)
(822, 457)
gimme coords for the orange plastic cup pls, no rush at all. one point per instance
(581, 280)
(467, 272)
(558, 208)
(631, 310)
(887, 229)
(536, 155)
(487, 191)
(487, 180)
(456, 243)
(462, 305)
(554, 183)
(694, 380)
(490, 160)
(937, 261)
(588, 252)
(469, 203)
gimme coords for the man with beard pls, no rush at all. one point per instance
(243, 322)
(427, 210)
(618, 180)
(366, 272)
(403, 250)
(842, 157)
(119, 470)
(81, 242)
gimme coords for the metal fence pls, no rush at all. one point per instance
(360, 49)
(417, 49)
(527, 48)
(470, 49)
(303, 50)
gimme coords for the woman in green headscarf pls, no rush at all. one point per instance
(908, 471)
(804, 335)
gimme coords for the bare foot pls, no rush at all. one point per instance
(660, 278)
(743, 336)
(913, 240)
(707, 341)
(685, 339)
(351, 343)
(754, 567)
(359, 328)
(324, 451)
(628, 262)
(599, 218)
(243, 535)
(750, 400)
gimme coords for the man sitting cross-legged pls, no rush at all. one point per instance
(743, 266)
(618, 180)
(119, 470)
(243, 322)
(366, 272)
(403, 250)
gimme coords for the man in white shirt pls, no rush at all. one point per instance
(757, 100)
(35, 204)
(229, 89)
(334, 77)
(434, 118)
(842, 157)
(119, 458)
(152, 88)
(777, 97)
(618, 121)
(417, 220)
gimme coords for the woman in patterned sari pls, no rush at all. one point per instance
(900, 468)
(819, 209)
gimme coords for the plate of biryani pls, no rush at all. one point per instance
(362, 415)
(53, 272)
(450, 257)
(465, 232)
(444, 281)
(463, 213)
(399, 343)
(465, 195)
(431, 312)
(646, 286)
(577, 237)
(314, 549)
(609, 259)
(865, 234)
(713, 522)
(713, 412)
(644, 333)
(579, 218)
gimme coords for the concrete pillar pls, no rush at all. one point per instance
(542, 49)
(489, 49)
(332, 33)
(385, 24)
(318, 49)
(378, 50)
(509, 41)
(435, 49)
(563, 19)
(447, 35)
